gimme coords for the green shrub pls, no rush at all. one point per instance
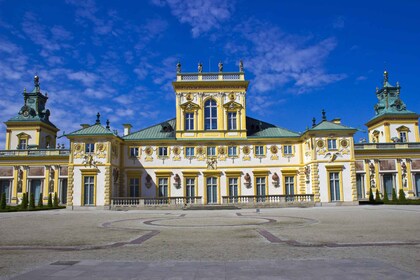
(50, 205)
(394, 195)
(40, 201)
(386, 199)
(3, 201)
(402, 195)
(32, 201)
(24, 203)
(377, 196)
(55, 200)
(371, 199)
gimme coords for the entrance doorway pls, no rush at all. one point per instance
(211, 190)
(388, 180)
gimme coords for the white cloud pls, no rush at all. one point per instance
(201, 15)
(86, 78)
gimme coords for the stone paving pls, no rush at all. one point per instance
(355, 242)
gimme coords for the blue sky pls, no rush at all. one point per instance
(118, 57)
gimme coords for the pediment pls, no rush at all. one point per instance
(190, 106)
(232, 105)
(403, 128)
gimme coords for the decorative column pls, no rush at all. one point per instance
(353, 180)
(315, 182)
(302, 180)
(70, 185)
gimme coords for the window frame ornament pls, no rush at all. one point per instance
(210, 120)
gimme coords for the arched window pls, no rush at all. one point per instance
(210, 115)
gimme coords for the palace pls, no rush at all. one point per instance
(211, 153)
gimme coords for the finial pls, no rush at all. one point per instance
(98, 121)
(36, 83)
(385, 77)
(377, 89)
(24, 90)
(200, 67)
(241, 66)
(178, 67)
(313, 122)
(220, 66)
(107, 124)
(324, 117)
(398, 84)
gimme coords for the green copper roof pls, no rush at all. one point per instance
(256, 128)
(327, 125)
(96, 129)
(164, 130)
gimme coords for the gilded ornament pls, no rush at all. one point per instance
(232, 96)
(77, 147)
(176, 150)
(246, 150)
(344, 143)
(221, 150)
(148, 151)
(273, 149)
(320, 144)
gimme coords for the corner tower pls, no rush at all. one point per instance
(393, 122)
(210, 105)
(31, 128)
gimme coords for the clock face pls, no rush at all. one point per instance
(25, 113)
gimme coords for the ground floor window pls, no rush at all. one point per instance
(360, 184)
(6, 188)
(134, 187)
(89, 190)
(211, 184)
(335, 186)
(417, 183)
(260, 185)
(289, 182)
(388, 184)
(163, 187)
(233, 189)
(63, 191)
(35, 188)
(190, 189)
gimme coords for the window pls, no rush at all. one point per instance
(5, 187)
(163, 151)
(134, 151)
(88, 192)
(233, 189)
(190, 187)
(232, 121)
(22, 144)
(260, 185)
(289, 182)
(259, 150)
(287, 149)
(189, 121)
(90, 148)
(360, 185)
(211, 190)
(335, 186)
(134, 185)
(189, 151)
(211, 151)
(163, 187)
(232, 151)
(210, 115)
(403, 136)
(332, 144)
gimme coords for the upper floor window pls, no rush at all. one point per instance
(210, 115)
(211, 151)
(287, 149)
(189, 151)
(189, 121)
(403, 136)
(332, 144)
(232, 151)
(232, 121)
(90, 147)
(163, 151)
(134, 151)
(22, 144)
(259, 150)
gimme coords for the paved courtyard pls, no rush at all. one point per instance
(355, 242)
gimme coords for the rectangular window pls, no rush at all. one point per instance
(232, 121)
(163, 187)
(63, 191)
(259, 150)
(403, 136)
(134, 151)
(89, 190)
(5, 187)
(232, 151)
(335, 186)
(190, 188)
(233, 189)
(90, 147)
(287, 149)
(22, 144)
(289, 182)
(163, 151)
(260, 185)
(189, 121)
(360, 185)
(189, 151)
(134, 185)
(332, 144)
(211, 151)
